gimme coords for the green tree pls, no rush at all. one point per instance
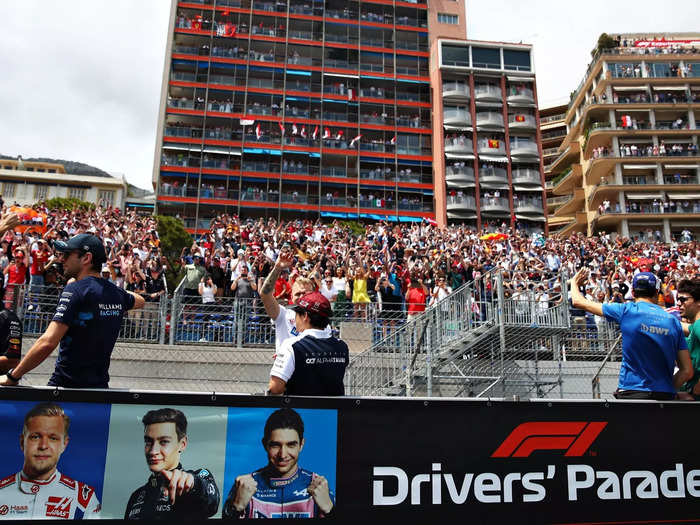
(62, 203)
(173, 238)
(605, 41)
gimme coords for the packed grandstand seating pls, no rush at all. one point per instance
(342, 260)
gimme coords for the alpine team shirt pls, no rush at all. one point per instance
(93, 309)
(651, 339)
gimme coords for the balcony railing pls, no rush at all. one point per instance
(520, 94)
(484, 92)
(459, 202)
(499, 204)
(552, 118)
(528, 205)
(491, 147)
(526, 176)
(457, 116)
(455, 90)
(491, 174)
(522, 121)
(463, 176)
(519, 147)
(460, 144)
(489, 119)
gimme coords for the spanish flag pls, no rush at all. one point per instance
(519, 118)
(494, 143)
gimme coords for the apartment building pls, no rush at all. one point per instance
(553, 132)
(487, 126)
(629, 162)
(299, 109)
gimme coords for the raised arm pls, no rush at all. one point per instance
(284, 260)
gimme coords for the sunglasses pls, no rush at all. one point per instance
(683, 299)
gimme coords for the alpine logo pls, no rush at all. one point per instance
(573, 436)
(57, 507)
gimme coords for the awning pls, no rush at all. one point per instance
(493, 186)
(460, 184)
(520, 79)
(629, 88)
(524, 158)
(684, 196)
(518, 187)
(340, 75)
(467, 156)
(458, 128)
(457, 215)
(644, 196)
(537, 218)
(668, 88)
(634, 141)
(639, 166)
(680, 166)
(493, 158)
(489, 104)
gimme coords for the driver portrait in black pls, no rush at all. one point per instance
(171, 492)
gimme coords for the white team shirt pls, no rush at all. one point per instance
(285, 327)
(285, 363)
(60, 497)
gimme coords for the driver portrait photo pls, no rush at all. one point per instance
(39, 490)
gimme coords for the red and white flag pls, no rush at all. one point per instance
(326, 133)
(626, 121)
(315, 133)
(303, 132)
(339, 135)
(351, 94)
(258, 131)
(294, 129)
(281, 128)
(393, 140)
(352, 142)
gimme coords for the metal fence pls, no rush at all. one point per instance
(482, 340)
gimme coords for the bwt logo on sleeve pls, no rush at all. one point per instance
(573, 436)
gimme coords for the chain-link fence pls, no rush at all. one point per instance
(482, 340)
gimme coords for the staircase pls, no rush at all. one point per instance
(469, 344)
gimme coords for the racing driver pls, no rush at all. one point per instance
(39, 490)
(171, 492)
(281, 489)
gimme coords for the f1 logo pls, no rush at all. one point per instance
(573, 436)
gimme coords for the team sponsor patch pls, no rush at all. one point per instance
(68, 482)
(203, 473)
(4, 509)
(58, 507)
(7, 481)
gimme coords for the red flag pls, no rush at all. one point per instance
(393, 140)
(326, 133)
(303, 131)
(315, 134)
(258, 131)
(352, 142)
(281, 128)
(339, 135)
(294, 129)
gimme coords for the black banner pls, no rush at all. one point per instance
(380, 460)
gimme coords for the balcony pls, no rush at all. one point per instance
(460, 202)
(493, 175)
(457, 91)
(522, 122)
(457, 117)
(528, 206)
(487, 93)
(460, 144)
(527, 176)
(489, 120)
(520, 95)
(460, 177)
(523, 148)
(490, 147)
(495, 205)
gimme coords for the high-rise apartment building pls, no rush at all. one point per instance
(553, 132)
(299, 108)
(629, 163)
(487, 124)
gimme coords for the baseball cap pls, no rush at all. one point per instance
(86, 243)
(645, 281)
(189, 260)
(313, 303)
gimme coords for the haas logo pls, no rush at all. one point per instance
(573, 436)
(58, 507)
(4, 510)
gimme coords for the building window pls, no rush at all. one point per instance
(105, 198)
(444, 18)
(40, 192)
(487, 57)
(76, 193)
(8, 189)
(455, 55)
(516, 60)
